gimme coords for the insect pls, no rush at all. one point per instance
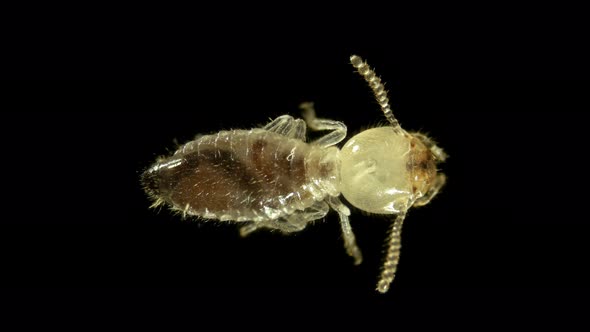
(271, 178)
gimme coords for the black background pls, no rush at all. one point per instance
(506, 237)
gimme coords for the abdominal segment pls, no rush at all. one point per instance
(236, 175)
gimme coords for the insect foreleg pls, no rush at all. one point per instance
(338, 128)
(349, 239)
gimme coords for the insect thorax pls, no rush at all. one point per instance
(384, 172)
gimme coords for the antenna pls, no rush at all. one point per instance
(378, 89)
(392, 256)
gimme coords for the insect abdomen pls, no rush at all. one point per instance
(244, 175)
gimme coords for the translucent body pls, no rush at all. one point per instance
(271, 178)
(245, 175)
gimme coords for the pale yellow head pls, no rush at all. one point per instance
(384, 171)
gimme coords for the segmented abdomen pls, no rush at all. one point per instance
(245, 175)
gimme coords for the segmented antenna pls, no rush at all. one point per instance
(392, 257)
(378, 89)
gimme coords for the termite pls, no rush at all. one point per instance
(271, 178)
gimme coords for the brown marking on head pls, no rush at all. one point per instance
(421, 166)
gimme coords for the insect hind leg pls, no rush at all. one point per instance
(287, 126)
(295, 222)
(298, 220)
(338, 129)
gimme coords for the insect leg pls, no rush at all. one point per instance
(392, 257)
(282, 225)
(439, 182)
(280, 125)
(299, 219)
(287, 126)
(349, 239)
(338, 128)
(248, 229)
(297, 130)
(294, 222)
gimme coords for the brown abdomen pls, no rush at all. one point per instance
(237, 175)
